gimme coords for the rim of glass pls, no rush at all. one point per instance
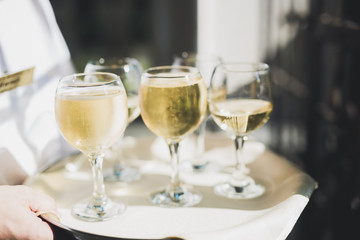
(80, 84)
(183, 71)
(244, 66)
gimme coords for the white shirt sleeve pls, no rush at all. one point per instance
(29, 137)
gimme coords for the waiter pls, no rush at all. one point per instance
(33, 56)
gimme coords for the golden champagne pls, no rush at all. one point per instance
(241, 116)
(92, 121)
(175, 108)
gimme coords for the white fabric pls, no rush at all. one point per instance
(274, 223)
(30, 37)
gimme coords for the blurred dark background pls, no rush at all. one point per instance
(152, 31)
(315, 122)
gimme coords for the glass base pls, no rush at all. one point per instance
(239, 192)
(90, 212)
(125, 174)
(207, 166)
(199, 167)
(179, 198)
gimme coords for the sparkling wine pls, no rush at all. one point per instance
(241, 116)
(175, 108)
(93, 120)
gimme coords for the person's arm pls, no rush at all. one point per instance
(19, 207)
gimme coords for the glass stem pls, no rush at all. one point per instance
(118, 169)
(200, 141)
(99, 196)
(175, 163)
(241, 169)
(116, 153)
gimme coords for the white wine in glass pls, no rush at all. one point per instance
(91, 112)
(240, 102)
(241, 116)
(173, 102)
(129, 70)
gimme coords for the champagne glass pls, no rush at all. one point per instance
(240, 102)
(173, 102)
(91, 113)
(129, 70)
(206, 63)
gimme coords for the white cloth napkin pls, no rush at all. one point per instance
(198, 223)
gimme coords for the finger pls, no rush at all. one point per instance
(31, 227)
(38, 201)
(42, 230)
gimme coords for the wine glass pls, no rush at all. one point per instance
(129, 70)
(240, 102)
(91, 113)
(173, 102)
(206, 63)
